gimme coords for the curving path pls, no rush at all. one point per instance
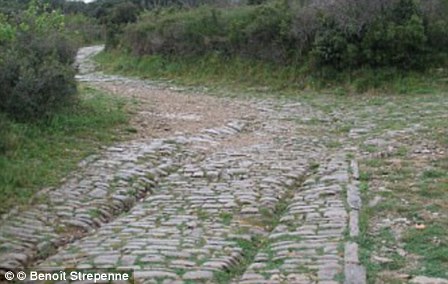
(212, 191)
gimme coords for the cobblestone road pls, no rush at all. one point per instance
(254, 200)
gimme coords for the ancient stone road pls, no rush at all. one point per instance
(256, 199)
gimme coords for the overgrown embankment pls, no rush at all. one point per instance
(362, 43)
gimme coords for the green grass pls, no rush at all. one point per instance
(431, 243)
(37, 155)
(226, 217)
(417, 193)
(261, 77)
(250, 249)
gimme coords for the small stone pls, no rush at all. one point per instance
(428, 280)
(107, 259)
(198, 174)
(381, 260)
(249, 210)
(197, 275)
(98, 193)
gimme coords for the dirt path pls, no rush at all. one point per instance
(211, 190)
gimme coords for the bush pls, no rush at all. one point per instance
(36, 72)
(398, 39)
(7, 141)
(84, 30)
(177, 32)
(394, 36)
(117, 17)
(255, 32)
(266, 36)
(436, 24)
(339, 35)
(331, 47)
(34, 86)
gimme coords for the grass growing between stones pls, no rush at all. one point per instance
(249, 250)
(405, 188)
(37, 155)
(402, 152)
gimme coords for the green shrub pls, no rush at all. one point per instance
(117, 17)
(7, 31)
(254, 32)
(7, 141)
(83, 30)
(325, 36)
(398, 39)
(266, 36)
(175, 32)
(330, 47)
(36, 72)
(436, 24)
(35, 84)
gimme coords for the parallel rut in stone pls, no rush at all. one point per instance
(105, 187)
(188, 229)
(305, 245)
(258, 200)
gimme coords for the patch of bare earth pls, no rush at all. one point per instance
(163, 112)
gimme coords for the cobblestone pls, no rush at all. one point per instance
(244, 199)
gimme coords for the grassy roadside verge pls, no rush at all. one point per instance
(38, 155)
(405, 189)
(236, 74)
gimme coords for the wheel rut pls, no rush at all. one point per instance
(245, 199)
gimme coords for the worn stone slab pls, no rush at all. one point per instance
(354, 274)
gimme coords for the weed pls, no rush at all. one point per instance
(432, 244)
(202, 214)
(250, 249)
(226, 217)
(94, 213)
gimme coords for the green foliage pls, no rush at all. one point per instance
(7, 31)
(116, 18)
(34, 89)
(36, 155)
(37, 20)
(398, 40)
(6, 139)
(266, 35)
(331, 47)
(216, 71)
(172, 32)
(255, 32)
(83, 30)
(36, 72)
(341, 35)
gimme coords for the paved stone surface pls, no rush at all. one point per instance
(251, 201)
(303, 247)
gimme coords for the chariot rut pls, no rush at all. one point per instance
(228, 191)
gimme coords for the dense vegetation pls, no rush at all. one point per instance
(343, 34)
(36, 72)
(47, 122)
